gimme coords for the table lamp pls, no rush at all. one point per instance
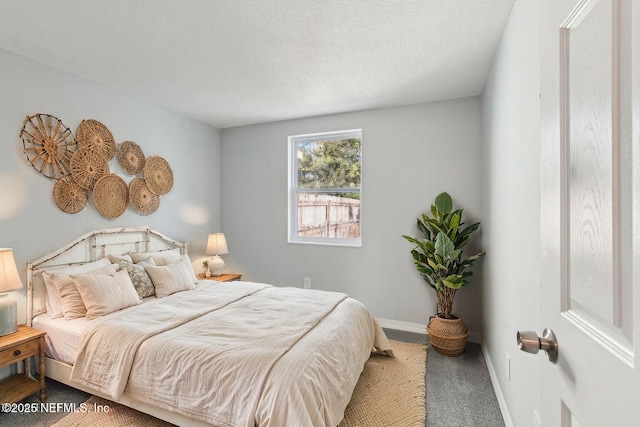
(216, 245)
(9, 281)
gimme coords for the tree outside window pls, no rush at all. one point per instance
(325, 188)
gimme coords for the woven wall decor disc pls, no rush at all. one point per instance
(111, 196)
(48, 145)
(69, 196)
(130, 157)
(141, 198)
(158, 175)
(87, 167)
(91, 133)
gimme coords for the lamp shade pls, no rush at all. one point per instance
(217, 244)
(9, 277)
(9, 281)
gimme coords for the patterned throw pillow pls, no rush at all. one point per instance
(139, 276)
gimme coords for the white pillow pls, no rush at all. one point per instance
(171, 278)
(115, 259)
(72, 305)
(103, 294)
(160, 258)
(189, 265)
(53, 302)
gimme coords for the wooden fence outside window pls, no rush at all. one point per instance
(323, 215)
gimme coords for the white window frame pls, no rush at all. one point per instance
(294, 190)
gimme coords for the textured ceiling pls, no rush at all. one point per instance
(237, 62)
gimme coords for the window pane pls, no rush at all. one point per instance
(331, 163)
(329, 215)
(324, 188)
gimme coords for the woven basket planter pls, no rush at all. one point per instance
(447, 336)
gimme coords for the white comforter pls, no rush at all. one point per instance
(235, 354)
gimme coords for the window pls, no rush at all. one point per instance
(324, 188)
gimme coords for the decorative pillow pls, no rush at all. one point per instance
(72, 305)
(161, 258)
(171, 278)
(103, 294)
(139, 276)
(117, 258)
(189, 265)
(53, 302)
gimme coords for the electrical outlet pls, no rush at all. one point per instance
(507, 366)
(307, 282)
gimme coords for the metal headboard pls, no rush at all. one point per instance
(88, 248)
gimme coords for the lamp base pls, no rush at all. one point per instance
(216, 265)
(8, 315)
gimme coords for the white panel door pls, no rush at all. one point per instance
(590, 205)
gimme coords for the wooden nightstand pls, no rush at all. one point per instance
(230, 277)
(20, 346)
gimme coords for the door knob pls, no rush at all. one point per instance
(530, 342)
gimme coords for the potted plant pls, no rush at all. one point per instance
(439, 258)
(205, 265)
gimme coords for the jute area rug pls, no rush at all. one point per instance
(390, 392)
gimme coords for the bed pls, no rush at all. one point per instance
(224, 354)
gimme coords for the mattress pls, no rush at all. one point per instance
(63, 336)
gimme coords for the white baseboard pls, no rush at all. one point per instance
(506, 415)
(402, 326)
(474, 337)
(418, 328)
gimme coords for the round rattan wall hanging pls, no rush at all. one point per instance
(130, 157)
(93, 134)
(141, 198)
(158, 175)
(69, 196)
(111, 196)
(48, 145)
(87, 167)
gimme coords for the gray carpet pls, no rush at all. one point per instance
(459, 389)
(459, 392)
(57, 393)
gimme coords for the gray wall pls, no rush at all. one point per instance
(30, 221)
(410, 154)
(511, 295)
(484, 151)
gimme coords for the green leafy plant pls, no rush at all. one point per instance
(439, 256)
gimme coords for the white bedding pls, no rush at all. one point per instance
(188, 353)
(63, 336)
